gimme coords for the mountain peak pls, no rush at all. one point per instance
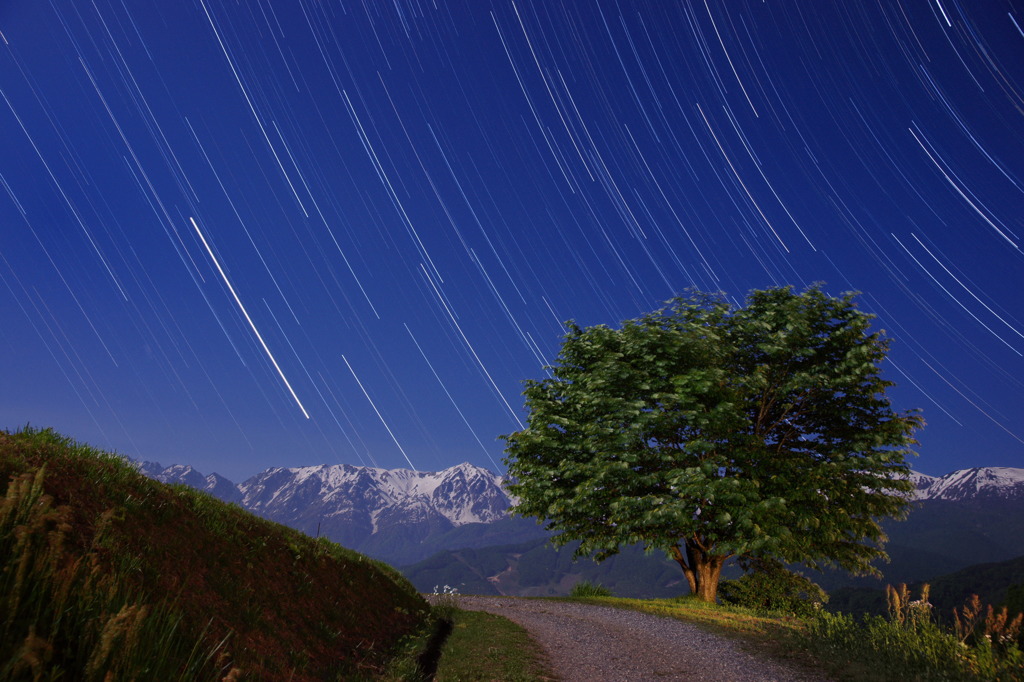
(976, 483)
(370, 498)
(467, 467)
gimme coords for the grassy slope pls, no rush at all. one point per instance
(485, 647)
(102, 569)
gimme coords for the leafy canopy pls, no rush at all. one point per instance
(761, 430)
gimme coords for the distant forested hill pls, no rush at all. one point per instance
(940, 537)
(998, 583)
(535, 569)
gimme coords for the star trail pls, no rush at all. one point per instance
(249, 234)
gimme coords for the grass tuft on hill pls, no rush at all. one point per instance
(106, 574)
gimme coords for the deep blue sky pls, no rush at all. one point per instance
(408, 197)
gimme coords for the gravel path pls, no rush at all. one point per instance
(600, 643)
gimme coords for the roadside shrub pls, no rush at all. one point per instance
(585, 588)
(888, 648)
(769, 587)
(910, 645)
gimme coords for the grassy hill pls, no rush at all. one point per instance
(106, 574)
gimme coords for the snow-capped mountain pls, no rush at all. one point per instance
(383, 512)
(215, 484)
(363, 500)
(977, 484)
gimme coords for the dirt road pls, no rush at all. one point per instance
(589, 643)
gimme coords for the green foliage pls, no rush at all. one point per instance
(886, 650)
(585, 588)
(710, 431)
(769, 587)
(1014, 604)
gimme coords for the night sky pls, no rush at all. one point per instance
(242, 234)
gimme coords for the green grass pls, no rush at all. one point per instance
(585, 588)
(483, 646)
(468, 646)
(728, 620)
(104, 572)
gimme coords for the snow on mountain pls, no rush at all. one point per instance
(459, 495)
(215, 484)
(218, 486)
(463, 493)
(979, 483)
(378, 510)
(921, 483)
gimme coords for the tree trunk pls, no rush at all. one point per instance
(691, 576)
(702, 570)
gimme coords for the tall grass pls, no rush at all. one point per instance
(64, 618)
(909, 644)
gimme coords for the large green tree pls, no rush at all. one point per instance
(710, 431)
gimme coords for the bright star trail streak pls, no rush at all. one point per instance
(248, 319)
(430, 190)
(379, 415)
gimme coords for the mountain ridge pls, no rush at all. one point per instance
(461, 494)
(404, 516)
(391, 514)
(972, 483)
(958, 485)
